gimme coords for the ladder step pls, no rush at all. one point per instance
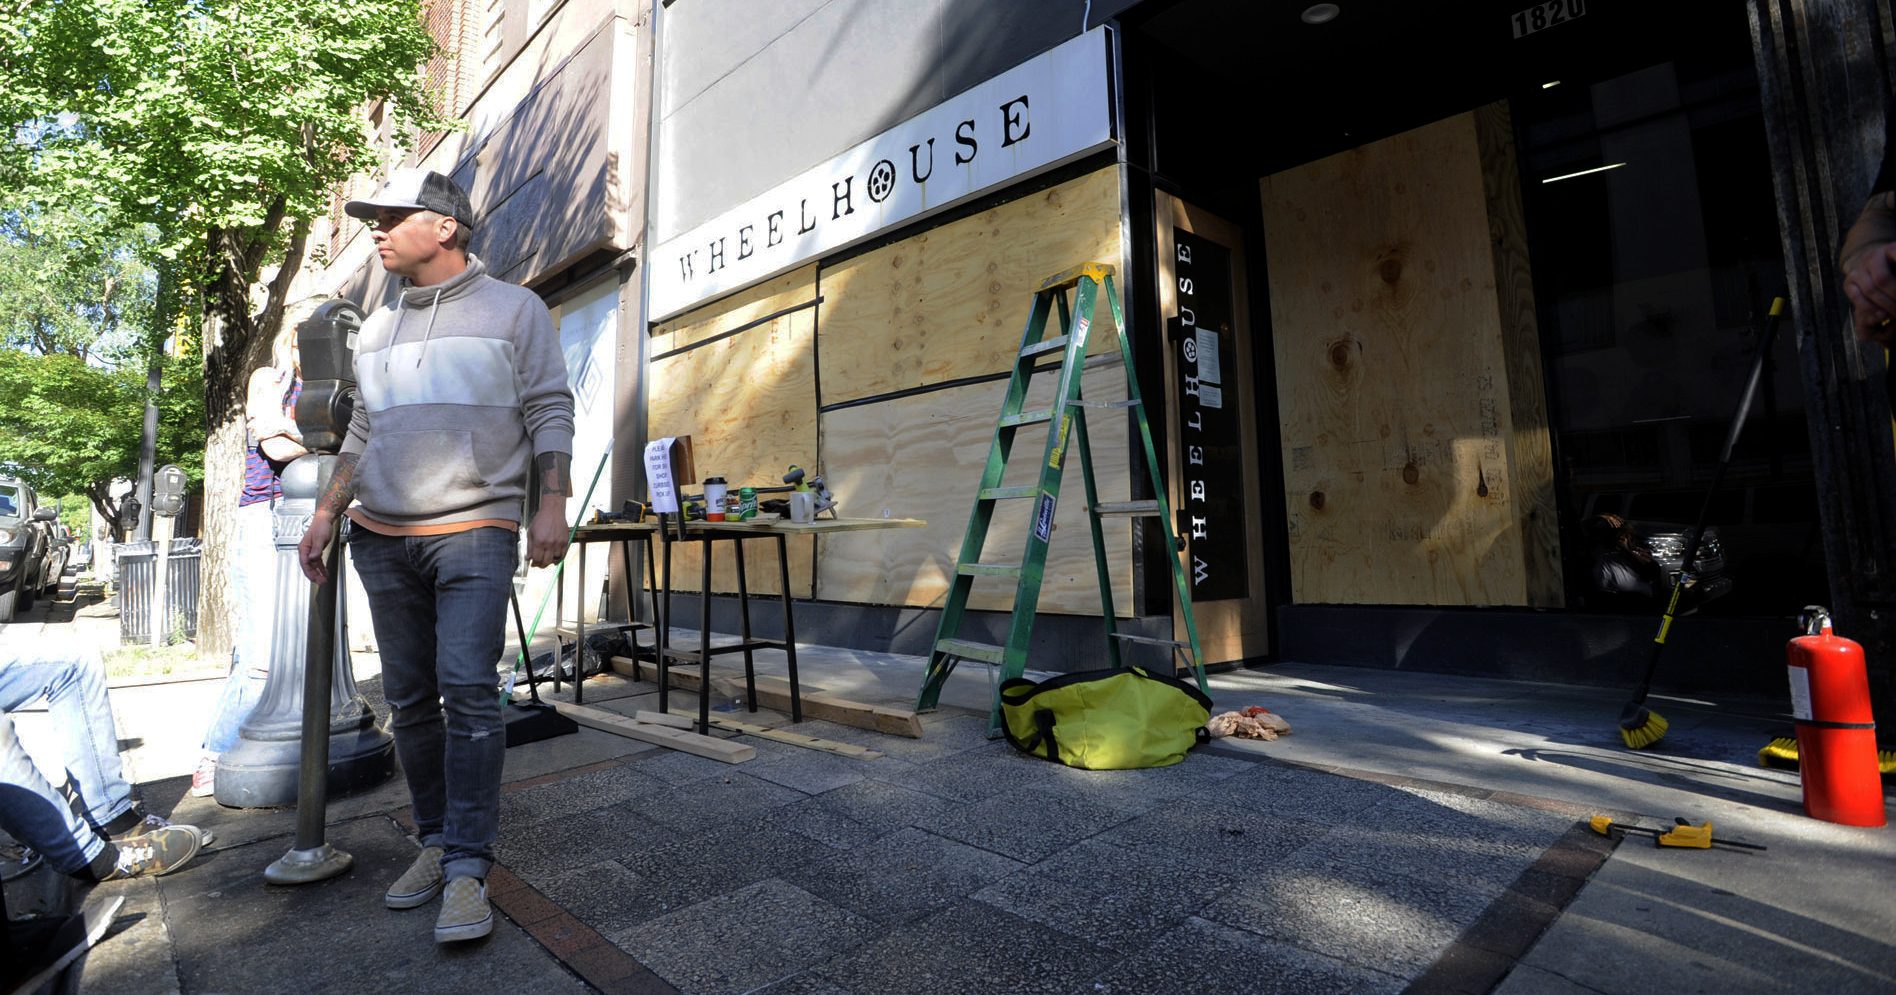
(1150, 640)
(1006, 493)
(1043, 346)
(1027, 418)
(1136, 509)
(1127, 403)
(988, 570)
(969, 650)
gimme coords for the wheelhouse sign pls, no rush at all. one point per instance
(1043, 113)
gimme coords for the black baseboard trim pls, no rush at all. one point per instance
(1731, 656)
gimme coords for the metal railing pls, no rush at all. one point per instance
(137, 570)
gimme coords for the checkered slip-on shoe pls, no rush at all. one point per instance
(419, 884)
(465, 914)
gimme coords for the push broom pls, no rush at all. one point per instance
(535, 720)
(1640, 726)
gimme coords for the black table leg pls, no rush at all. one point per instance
(744, 623)
(664, 636)
(789, 631)
(704, 640)
(579, 638)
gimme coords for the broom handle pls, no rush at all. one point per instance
(558, 570)
(1705, 506)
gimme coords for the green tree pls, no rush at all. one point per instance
(224, 126)
(67, 426)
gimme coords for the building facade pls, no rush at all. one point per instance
(1424, 302)
(1418, 296)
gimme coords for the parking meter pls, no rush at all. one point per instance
(167, 491)
(128, 513)
(325, 343)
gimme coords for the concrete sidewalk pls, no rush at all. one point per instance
(1416, 832)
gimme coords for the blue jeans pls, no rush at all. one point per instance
(254, 577)
(440, 608)
(32, 810)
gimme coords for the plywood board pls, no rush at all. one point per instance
(923, 455)
(740, 309)
(1400, 379)
(952, 302)
(748, 402)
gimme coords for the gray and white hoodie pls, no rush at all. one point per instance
(461, 385)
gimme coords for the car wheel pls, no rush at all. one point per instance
(7, 601)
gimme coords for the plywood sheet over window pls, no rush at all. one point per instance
(1412, 414)
(922, 457)
(748, 401)
(951, 302)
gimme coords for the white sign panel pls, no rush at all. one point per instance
(658, 475)
(1044, 112)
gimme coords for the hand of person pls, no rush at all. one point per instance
(1870, 283)
(546, 537)
(309, 552)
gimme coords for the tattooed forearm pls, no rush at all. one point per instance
(342, 486)
(556, 473)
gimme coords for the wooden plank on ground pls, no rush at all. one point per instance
(774, 693)
(663, 719)
(676, 739)
(795, 738)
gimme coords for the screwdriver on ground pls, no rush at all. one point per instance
(1683, 834)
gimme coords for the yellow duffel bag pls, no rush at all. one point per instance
(1105, 719)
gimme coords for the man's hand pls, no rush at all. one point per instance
(546, 537)
(1870, 283)
(310, 552)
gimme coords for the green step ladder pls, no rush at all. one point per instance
(1067, 415)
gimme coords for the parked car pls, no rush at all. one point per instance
(58, 555)
(25, 535)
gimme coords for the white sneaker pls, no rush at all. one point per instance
(204, 779)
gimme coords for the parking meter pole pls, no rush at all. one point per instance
(262, 769)
(312, 858)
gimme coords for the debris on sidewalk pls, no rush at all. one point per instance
(1254, 722)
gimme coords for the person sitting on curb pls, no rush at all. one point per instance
(98, 833)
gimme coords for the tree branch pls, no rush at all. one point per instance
(270, 319)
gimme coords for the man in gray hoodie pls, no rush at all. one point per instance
(462, 392)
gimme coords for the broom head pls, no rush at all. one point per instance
(1640, 726)
(1781, 753)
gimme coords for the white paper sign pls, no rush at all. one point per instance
(1208, 368)
(1047, 111)
(658, 475)
(1800, 693)
(1209, 396)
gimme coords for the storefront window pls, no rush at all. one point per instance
(1653, 237)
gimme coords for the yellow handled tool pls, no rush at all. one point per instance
(1683, 834)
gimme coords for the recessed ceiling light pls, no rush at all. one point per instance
(1549, 86)
(1321, 13)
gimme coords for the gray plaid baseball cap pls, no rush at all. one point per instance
(418, 188)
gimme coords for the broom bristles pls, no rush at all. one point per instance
(1782, 754)
(1642, 728)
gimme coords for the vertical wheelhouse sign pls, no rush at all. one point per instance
(1043, 113)
(1211, 484)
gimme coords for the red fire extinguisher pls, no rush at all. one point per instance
(1836, 734)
